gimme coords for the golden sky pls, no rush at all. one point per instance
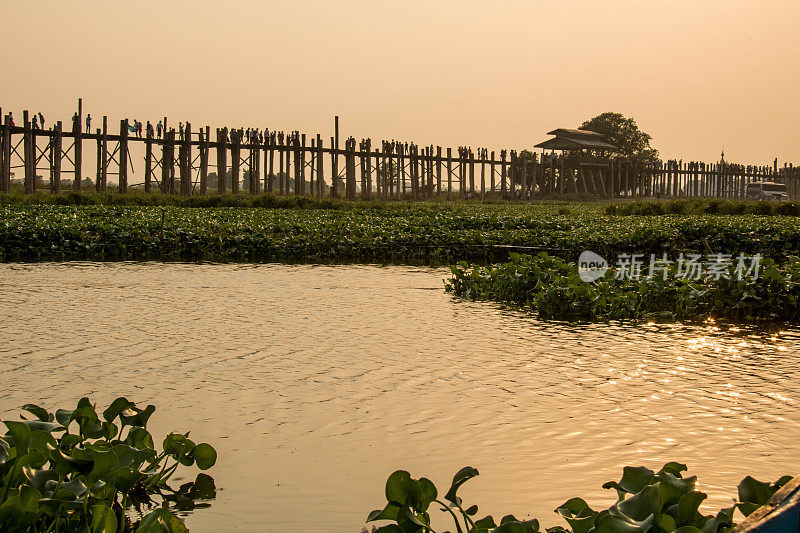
(697, 75)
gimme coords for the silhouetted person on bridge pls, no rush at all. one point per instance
(41, 120)
(159, 127)
(88, 122)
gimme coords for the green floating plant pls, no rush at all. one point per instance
(647, 502)
(80, 470)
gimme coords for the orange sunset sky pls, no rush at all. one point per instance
(697, 75)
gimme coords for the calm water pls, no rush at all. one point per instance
(315, 383)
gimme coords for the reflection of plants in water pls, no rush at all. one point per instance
(75, 470)
(647, 502)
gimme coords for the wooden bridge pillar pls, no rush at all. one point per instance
(222, 156)
(148, 160)
(236, 160)
(168, 162)
(269, 151)
(503, 189)
(77, 133)
(350, 168)
(55, 158)
(204, 160)
(104, 156)
(29, 154)
(5, 175)
(185, 161)
(123, 156)
(300, 166)
(288, 147)
(320, 168)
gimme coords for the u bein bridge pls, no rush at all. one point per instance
(292, 163)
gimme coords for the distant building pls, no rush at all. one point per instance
(566, 139)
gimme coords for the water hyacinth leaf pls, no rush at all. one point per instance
(205, 455)
(76, 487)
(472, 510)
(125, 478)
(759, 492)
(39, 412)
(512, 527)
(664, 523)
(140, 438)
(110, 430)
(103, 490)
(21, 508)
(34, 458)
(48, 427)
(136, 417)
(104, 520)
(88, 421)
(643, 504)
(66, 465)
(177, 445)
(486, 522)
(398, 487)
(390, 512)
(64, 417)
(687, 529)
(40, 440)
(461, 477)
(614, 524)
(84, 402)
(129, 456)
(672, 488)
(673, 468)
(425, 492)
(747, 508)
(407, 515)
(116, 408)
(20, 435)
(38, 478)
(578, 514)
(634, 479)
(69, 440)
(686, 511)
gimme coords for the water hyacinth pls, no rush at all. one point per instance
(84, 470)
(647, 502)
(553, 289)
(383, 233)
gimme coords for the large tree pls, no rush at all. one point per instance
(623, 133)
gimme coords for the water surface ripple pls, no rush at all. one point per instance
(315, 382)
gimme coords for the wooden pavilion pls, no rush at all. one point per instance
(585, 160)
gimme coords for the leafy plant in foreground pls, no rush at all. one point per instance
(647, 502)
(77, 470)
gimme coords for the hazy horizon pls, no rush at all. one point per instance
(696, 77)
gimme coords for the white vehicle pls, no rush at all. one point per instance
(766, 190)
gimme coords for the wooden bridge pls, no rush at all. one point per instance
(294, 163)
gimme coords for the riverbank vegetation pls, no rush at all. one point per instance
(553, 289)
(80, 470)
(380, 232)
(707, 206)
(647, 502)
